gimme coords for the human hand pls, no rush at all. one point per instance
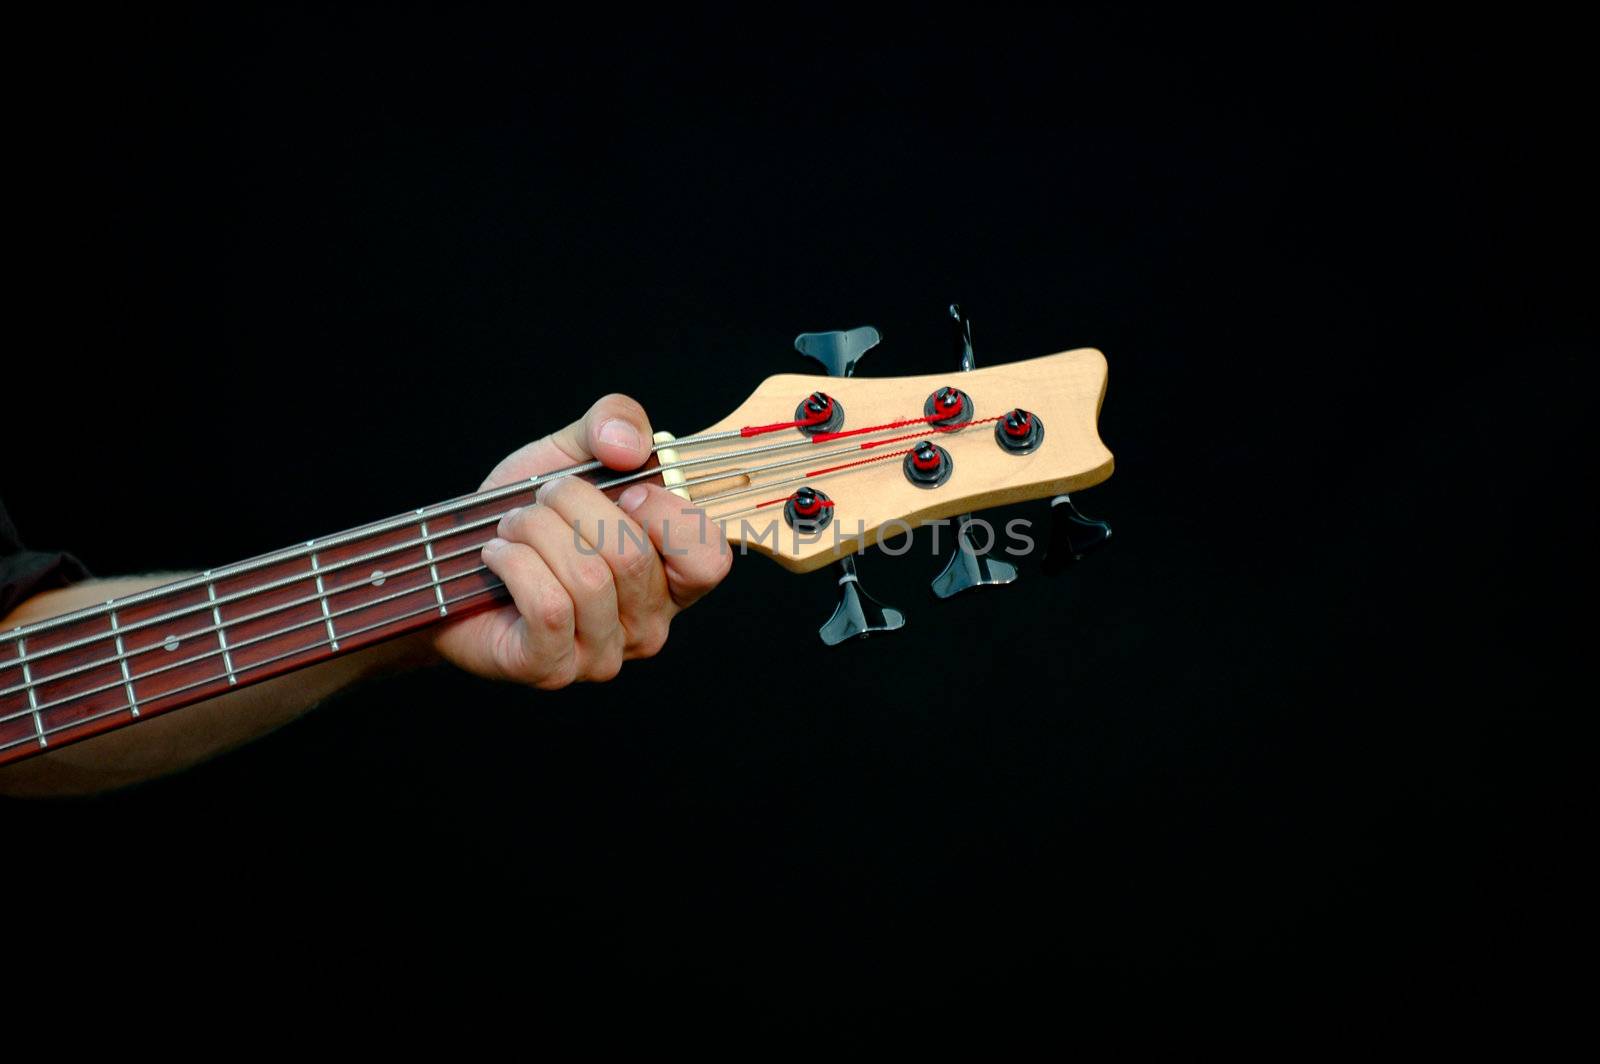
(579, 614)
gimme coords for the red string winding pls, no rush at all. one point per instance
(828, 437)
(779, 426)
(790, 496)
(932, 432)
(859, 461)
(825, 437)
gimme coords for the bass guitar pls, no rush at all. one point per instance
(808, 471)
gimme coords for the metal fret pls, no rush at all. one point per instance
(199, 685)
(122, 656)
(366, 531)
(91, 665)
(433, 568)
(222, 635)
(322, 596)
(33, 699)
(260, 639)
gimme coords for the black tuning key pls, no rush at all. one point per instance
(967, 568)
(838, 351)
(1072, 535)
(858, 613)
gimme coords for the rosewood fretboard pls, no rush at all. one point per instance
(74, 676)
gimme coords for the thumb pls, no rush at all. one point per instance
(615, 430)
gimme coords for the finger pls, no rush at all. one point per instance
(597, 629)
(643, 605)
(615, 430)
(539, 648)
(693, 551)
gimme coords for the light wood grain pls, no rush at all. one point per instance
(876, 500)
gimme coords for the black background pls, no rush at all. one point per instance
(1302, 729)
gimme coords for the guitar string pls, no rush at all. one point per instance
(805, 459)
(213, 576)
(33, 737)
(801, 479)
(425, 513)
(32, 711)
(416, 517)
(387, 574)
(233, 647)
(237, 621)
(735, 493)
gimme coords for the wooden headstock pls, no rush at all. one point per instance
(872, 497)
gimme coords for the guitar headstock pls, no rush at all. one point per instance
(890, 453)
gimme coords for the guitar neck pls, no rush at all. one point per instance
(71, 677)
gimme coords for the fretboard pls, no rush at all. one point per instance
(71, 677)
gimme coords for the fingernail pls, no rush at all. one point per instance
(504, 527)
(495, 544)
(633, 498)
(543, 491)
(619, 432)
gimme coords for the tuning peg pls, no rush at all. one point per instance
(858, 613)
(963, 337)
(838, 351)
(966, 567)
(1072, 535)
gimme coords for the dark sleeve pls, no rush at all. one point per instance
(25, 573)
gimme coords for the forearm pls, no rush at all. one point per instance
(187, 736)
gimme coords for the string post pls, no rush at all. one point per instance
(927, 465)
(1019, 432)
(819, 413)
(808, 511)
(948, 408)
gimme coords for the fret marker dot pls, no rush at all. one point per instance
(170, 644)
(377, 578)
